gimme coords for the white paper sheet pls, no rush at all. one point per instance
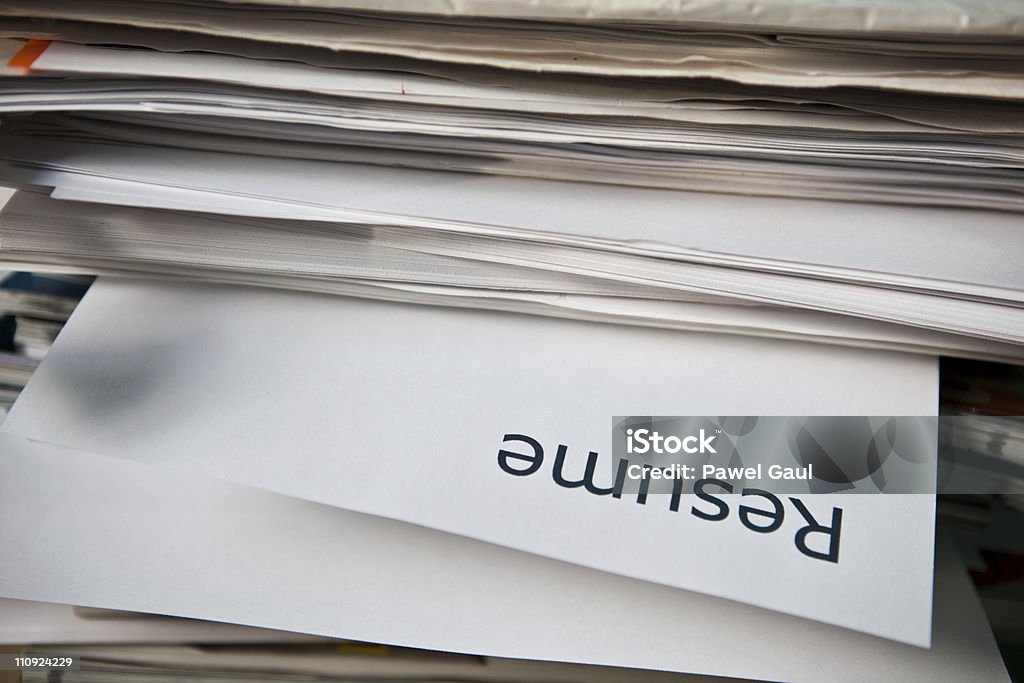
(401, 411)
(24, 622)
(105, 532)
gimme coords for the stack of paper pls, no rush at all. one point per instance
(353, 254)
(880, 107)
(904, 287)
(420, 145)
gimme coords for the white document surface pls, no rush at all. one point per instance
(401, 411)
(101, 531)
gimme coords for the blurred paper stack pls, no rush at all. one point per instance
(33, 308)
(349, 248)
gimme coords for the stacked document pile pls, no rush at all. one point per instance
(540, 159)
(377, 277)
(38, 313)
(115, 646)
(32, 311)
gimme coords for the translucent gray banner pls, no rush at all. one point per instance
(821, 454)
